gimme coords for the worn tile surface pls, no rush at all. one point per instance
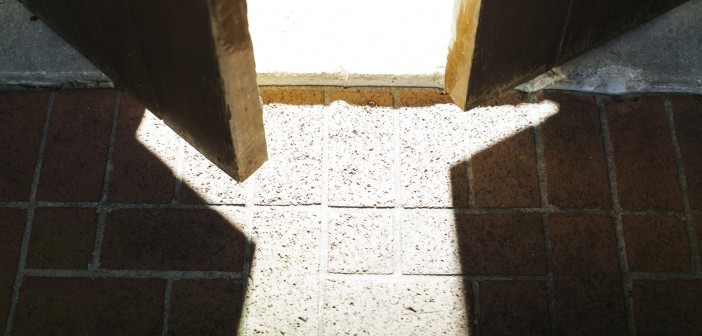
(408, 307)
(361, 156)
(293, 173)
(432, 141)
(361, 243)
(62, 238)
(505, 219)
(575, 155)
(76, 146)
(22, 115)
(90, 306)
(211, 307)
(646, 173)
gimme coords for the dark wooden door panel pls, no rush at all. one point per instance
(613, 17)
(499, 44)
(189, 61)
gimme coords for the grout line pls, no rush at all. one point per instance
(691, 235)
(134, 274)
(468, 146)
(180, 168)
(471, 184)
(431, 277)
(395, 99)
(327, 97)
(21, 271)
(167, 305)
(325, 155)
(475, 289)
(249, 250)
(21, 205)
(99, 239)
(397, 186)
(552, 210)
(627, 281)
(323, 270)
(665, 276)
(210, 275)
(102, 212)
(111, 149)
(543, 188)
(324, 206)
(541, 165)
(550, 282)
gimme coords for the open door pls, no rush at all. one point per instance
(190, 62)
(498, 44)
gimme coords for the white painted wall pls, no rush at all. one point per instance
(350, 39)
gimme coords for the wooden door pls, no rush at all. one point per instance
(499, 44)
(189, 61)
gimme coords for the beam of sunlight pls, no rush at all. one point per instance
(357, 37)
(286, 270)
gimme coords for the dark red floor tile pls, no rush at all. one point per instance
(414, 98)
(574, 154)
(504, 175)
(501, 244)
(62, 238)
(668, 307)
(514, 308)
(697, 225)
(647, 176)
(22, 116)
(168, 239)
(68, 306)
(77, 146)
(656, 244)
(205, 307)
(138, 175)
(687, 112)
(12, 222)
(587, 279)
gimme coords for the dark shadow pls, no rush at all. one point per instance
(532, 269)
(153, 244)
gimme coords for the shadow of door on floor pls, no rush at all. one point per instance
(159, 258)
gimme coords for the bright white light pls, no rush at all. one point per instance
(357, 37)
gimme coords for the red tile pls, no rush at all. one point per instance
(362, 97)
(587, 279)
(138, 175)
(505, 174)
(168, 239)
(687, 111)
(77, 145)
(62, 238)
(514, 308)
(416, 98)
(647, 176)
(668, 307)
(291, 96)
(69, 306)
(697, 225)
(22, 115)
(656, 244)
(206, 307)
(12, 222)
(501, 244)
(574, 154)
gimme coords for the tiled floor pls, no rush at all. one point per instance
(566, 214)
